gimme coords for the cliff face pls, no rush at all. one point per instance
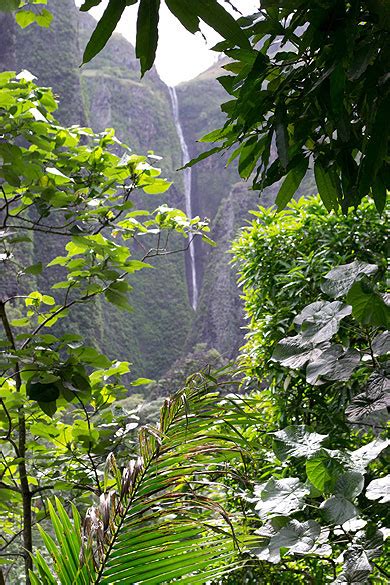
(108, 93)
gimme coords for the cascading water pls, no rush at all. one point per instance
(187, 191)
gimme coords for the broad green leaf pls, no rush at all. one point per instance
(381, 344)
(43, 392)
(297, 537)
(379, 489)
(295, 352)
(356, 567)
(371, 405)
(333, 364)
(104, 28)
(296, 441)
(147, 33)
(349, 485)
(339, 280)
(319, 321)
(323, 470)
(280, 497)
(368, 306)
(337, 510)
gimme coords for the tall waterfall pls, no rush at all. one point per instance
(187, 191)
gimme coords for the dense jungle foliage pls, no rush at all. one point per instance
(269, 469)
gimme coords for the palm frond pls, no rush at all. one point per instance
(165, 520)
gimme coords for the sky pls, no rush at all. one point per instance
(180, 56)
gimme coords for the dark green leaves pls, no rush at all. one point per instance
(104, 29)
(147, 33)
(327, 186)
(368, 306)
(291, 184)
(213, 14)
(182, 10)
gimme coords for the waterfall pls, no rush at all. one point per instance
(187, 191)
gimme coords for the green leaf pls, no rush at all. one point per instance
(213, 14)
(371, 405)
(295, 352)
(280, 497)
(337, 510)
(104, 29)
(320, 321)
(188, 18)
(327, 186)
(43, 392)
(335, 363)
(291, 184)
(368, 305)
(88, 4)
(349, 485)
(34, 269)
(339, 280)
(323, 471)
(147, 33)
(379, 489)
(296, 441)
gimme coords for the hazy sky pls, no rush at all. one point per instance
(181, 55)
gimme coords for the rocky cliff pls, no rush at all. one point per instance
(109, 93)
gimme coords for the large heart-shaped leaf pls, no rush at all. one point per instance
(339, 280)
(297, 441)
(372, 404)
(324, 469)
(368, 305)
(295, 352)
(333, 364)
(379, 489)
(349, 485)
(356, 568)
(298, 537)
(337, 510)
(319, 321)
(280, 497)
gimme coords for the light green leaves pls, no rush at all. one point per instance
(26, 17)
(280, 497)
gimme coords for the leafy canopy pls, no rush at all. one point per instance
(308, 84)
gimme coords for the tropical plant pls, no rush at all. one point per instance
(162, 516)
(323, 500)
(311, 76)
(74, 188)
(282, 260)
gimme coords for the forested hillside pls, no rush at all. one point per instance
(109, 93)
(259, 454)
